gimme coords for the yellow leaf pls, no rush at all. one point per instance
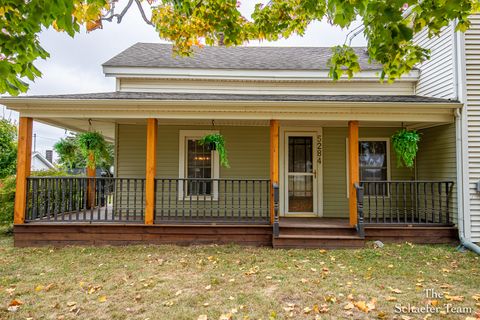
(102, 299)
(362, 306)
(391, 299)
(39, 288)
(307, 310)
(322, 251)
(454, 298)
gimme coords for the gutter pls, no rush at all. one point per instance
(461, 128)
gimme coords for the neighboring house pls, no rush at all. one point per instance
(40, 163)
(311, 163)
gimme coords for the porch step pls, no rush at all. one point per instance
(318, 231)
(314, 241)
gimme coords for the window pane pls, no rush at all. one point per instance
(300, 154)
(373, 165)
(199, 165)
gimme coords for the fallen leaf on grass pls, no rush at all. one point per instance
(226, 316)
(15, 303)
(10, 291)
(179, 292)
(394, 290)
(391, 299)
(307, 310)
(349, 306)
(361, 305)
(454, 298)
(202, 317)
(253, 270)
(39, 288)
(102, 299)
(71, 303)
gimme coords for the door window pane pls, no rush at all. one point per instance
(300, 193)
(300, 154)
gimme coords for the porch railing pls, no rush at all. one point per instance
(212, 200)
(405, 202)
(81, 199)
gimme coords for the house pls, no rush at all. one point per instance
(41, 163)
(311, 163)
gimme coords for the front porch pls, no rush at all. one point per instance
(312, 165)
(259, 194)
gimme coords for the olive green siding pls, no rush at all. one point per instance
(248, 152)
(436, 159)
(335, 201)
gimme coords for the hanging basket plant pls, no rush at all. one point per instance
(216, 141)
(405, 144)
(93, 143)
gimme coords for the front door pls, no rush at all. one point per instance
(300, 174)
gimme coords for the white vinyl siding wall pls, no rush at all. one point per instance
(267, 87)
(472, 54)
(437, 77)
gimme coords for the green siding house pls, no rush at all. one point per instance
(311, 160)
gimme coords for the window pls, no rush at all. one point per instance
(374, 162)
(373, 159)
(199, 163)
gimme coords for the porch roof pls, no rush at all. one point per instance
(167, 96)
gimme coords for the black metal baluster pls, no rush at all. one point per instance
(432, 191)
(440, 212)
(447, 194)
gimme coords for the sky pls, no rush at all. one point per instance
(74, 65)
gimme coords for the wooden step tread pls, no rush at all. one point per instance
(319, 237)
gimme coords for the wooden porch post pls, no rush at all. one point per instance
(353, 170)
(91, 173)
(273, 164)
(24, 159)
(151, 170)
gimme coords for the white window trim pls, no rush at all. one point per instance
(182, 163)
(386, 139)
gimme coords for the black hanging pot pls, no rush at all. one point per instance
(212, 146)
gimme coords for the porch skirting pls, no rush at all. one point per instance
(85, 234)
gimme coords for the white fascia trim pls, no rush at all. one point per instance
(236, 74)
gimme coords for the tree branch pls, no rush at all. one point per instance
(142, 12)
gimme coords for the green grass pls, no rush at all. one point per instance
(171, 282)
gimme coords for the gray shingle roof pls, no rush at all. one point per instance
(251, 58)
(236, 97)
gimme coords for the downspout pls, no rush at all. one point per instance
(461, 152)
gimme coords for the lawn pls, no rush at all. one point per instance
(223, 282)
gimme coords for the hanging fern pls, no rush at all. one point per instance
(93, 143)
(405, 144)
(217, 141)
